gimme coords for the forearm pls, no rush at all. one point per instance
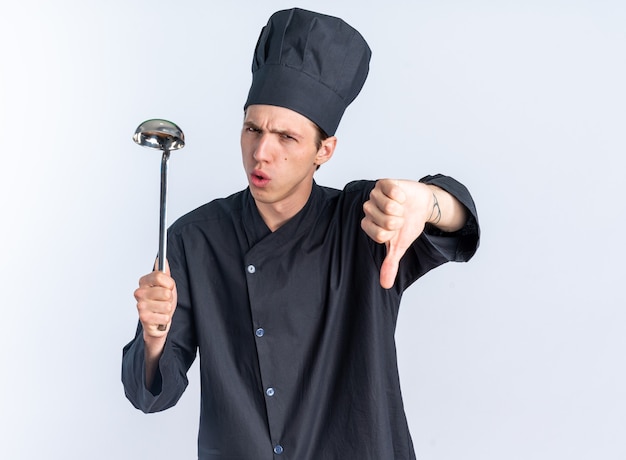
(153, 351)
(447, 213)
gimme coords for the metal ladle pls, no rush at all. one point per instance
(165, 136)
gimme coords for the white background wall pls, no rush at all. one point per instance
(519, 354)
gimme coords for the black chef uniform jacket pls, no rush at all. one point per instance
(294, 332)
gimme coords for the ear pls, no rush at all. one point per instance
(326, 151)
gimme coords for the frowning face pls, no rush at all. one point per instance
(280, 155)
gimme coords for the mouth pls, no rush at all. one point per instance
(259, 178)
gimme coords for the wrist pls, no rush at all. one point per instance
(153, 346)
(435, 208)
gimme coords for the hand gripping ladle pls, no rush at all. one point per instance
(165, 136)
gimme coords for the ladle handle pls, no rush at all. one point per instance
(163, 219)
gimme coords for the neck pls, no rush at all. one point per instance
(275, 215)
(275, 218)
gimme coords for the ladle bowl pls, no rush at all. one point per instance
(159, 134)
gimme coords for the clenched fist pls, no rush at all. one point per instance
(156, 302)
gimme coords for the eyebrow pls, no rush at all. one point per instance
(287, 132)
(249, 124)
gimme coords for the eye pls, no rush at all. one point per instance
(287, 137)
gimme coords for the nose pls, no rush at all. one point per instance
(263, 148)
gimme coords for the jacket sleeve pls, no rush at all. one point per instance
(466, 239)
(435, 247)
(170, 380)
